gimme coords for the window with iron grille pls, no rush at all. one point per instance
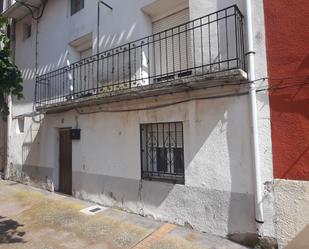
(76, 5)
(162, 152)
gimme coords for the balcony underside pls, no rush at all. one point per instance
(174, 86)
(22, 8)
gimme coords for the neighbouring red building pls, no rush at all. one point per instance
(287, 42)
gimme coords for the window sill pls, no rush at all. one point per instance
(170, 181)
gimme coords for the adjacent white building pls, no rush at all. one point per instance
(158, 122)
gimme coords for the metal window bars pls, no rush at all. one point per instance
(209, 44)
(162, 152)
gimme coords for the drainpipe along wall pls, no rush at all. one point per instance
(259, 217)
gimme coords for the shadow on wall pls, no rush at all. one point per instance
(292, 101)
(33, 169)
(225, 144)
(2, 144)
(290, 122)
(218, 192)
(241, 170)
(65, 58)
(34, 157)
(301, 241)
(9, 231)
(241, 215)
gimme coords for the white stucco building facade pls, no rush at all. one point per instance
(217, 190)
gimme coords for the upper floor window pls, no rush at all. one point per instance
(27, 31)
(76, 5)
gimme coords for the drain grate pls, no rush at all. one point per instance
(93, 210)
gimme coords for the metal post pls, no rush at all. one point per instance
(98, 37)
(98, 22)
(98, 28)
(73, 78)
(98, 46)
(130, 65)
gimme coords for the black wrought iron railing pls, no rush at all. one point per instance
(212, 43)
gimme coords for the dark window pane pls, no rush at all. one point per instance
(178, 160)
(76, 5)
(162, 159)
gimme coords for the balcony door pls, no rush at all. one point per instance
(172, 47)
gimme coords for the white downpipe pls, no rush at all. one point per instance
(259, 216)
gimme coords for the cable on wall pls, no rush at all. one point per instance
(258, 89)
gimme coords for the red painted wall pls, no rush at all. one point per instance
(287, 42)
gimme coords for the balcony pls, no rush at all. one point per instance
(19, 9)
(192, 55)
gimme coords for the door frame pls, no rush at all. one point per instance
(59, 162)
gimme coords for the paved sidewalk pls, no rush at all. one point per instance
(36, 219)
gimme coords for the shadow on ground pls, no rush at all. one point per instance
(9, 233)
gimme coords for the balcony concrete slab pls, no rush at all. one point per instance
(235, 76)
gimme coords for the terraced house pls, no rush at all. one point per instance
(189, 111)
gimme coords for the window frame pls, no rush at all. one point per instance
(78, 6)
(168, 152)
